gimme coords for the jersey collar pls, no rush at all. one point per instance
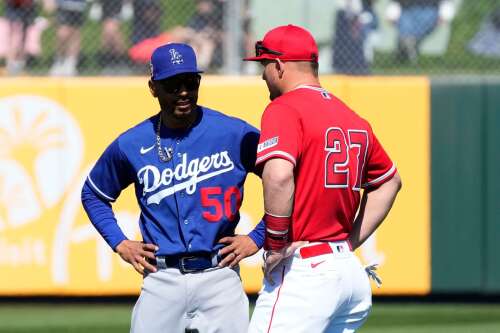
(306, 86)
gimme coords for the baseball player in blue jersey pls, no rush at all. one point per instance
(188, 164)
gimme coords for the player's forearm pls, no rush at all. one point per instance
(375, 205)
(102, 217)
(279, 186)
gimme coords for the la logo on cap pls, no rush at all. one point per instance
(175, 57)
(172, 59)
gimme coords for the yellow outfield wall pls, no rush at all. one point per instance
(53, 130)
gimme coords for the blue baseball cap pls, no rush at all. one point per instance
(172, 59)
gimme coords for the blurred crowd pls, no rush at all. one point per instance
(357, 23)
(127, 31)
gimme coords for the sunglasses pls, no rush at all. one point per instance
(175, 84)
(260, 49)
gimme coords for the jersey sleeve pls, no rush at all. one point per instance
(111, 173)
(380, 168)
(280, 134)
(258, 234)
(102, 217)
(248, 151)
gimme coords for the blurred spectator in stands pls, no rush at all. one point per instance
(248, 42)
(355, 21)
(146, 22)
(113, 51)
(70, 18)
(415, 20)
(20, 33)
(486, 42)
(147, 34)
(204, 33)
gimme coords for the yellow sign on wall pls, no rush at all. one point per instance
(53, 130)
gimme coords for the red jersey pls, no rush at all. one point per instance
(335, 154)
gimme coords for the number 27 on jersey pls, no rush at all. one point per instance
(345, 160)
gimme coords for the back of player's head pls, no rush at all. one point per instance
(172, 59)
(286, 43)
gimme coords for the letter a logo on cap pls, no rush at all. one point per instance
(175, 57)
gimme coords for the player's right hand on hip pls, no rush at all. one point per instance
(136, 254)
(273, 258)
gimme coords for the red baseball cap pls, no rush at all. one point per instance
(287, 43)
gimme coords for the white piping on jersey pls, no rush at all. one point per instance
(277, 153)
(274, 215)
(98, 190)
(190, 183)
(277, 232)
(379, 179)
(311, 87)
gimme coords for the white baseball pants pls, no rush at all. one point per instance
(314, 293)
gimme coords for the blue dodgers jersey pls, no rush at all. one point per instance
(190, 202)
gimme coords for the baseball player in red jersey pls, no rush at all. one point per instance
(316, 155)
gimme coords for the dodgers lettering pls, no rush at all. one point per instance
(187, 175)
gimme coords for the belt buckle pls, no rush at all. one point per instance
(182, 268)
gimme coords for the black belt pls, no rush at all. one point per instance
(188, 263)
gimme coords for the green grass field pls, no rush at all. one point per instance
(387, 318)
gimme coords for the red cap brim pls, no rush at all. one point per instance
(264, 56)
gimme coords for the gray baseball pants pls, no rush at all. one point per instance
(206, 302)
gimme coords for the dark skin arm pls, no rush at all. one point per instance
(237, 248)
(135, 253)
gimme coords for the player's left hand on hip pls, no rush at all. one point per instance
(236, 249)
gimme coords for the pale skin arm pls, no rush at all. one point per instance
(374, 207)
(279, 189)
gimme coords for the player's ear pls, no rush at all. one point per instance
(152, 88)
(280, 67)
